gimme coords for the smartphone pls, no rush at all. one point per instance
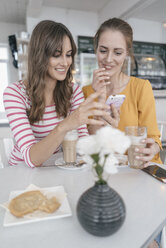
(156, 171)
(117, 100)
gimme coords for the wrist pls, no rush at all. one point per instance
(61, 128)
(66, 125)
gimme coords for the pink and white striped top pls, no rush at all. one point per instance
(16, 102)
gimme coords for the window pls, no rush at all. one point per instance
(4, 59)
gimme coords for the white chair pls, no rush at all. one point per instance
(162, 128)
(6, 145)
(163, 238)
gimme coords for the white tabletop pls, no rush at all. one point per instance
(144, 197)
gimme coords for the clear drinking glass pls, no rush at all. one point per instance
(136, 134)
(69, 147)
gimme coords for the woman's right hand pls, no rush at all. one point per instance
(86, 109)
(99, 82)
(100, 79)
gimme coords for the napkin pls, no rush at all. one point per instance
(57, 191)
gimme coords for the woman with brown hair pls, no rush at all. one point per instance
(113, 43)
(43, 108)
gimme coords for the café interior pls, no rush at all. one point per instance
(142, 195)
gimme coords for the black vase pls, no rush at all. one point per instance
(101, 210)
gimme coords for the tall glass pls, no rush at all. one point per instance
(136, 134)
(69, 147)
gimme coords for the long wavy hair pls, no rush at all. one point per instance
(117, 25)
(47, 37)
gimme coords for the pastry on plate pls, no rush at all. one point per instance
(31, 201)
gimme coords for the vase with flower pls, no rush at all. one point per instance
(101, 210)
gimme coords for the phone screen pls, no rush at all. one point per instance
(117, 100)
(156, 172)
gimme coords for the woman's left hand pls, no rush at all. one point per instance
(113, 118)
(146, 154)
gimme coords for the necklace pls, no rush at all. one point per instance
(121, 86)
(116, 90)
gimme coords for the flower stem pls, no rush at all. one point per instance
(101, 181)
(99, 168)
(99, 171)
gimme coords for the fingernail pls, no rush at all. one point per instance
(137, 157)
(136, 150)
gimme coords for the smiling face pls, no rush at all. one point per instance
(60, 63)
(111, 51)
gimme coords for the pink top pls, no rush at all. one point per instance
(16, 102)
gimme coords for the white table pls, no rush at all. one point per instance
(144, 197)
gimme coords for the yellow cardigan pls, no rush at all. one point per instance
(138, 108)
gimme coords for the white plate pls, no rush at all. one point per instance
(63, 211)
(71, 167)
(79, 165)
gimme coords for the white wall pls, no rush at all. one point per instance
(116, 8)
(6, 30)
(9, 29)
(148, 31)
(164, 34)
(78, 22)
(86, 23)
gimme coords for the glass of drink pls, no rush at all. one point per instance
(136, 134)
(69, 147)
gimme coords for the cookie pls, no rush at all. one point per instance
(49, 205)
(26, 203)
(31, 201)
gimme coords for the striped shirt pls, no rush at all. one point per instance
(16, 102)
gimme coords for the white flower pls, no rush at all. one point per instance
(88, 145)
(112, 140)
(109, 166)
(98, 150)
(88, 160)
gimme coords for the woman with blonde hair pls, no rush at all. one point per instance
(43, 108)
